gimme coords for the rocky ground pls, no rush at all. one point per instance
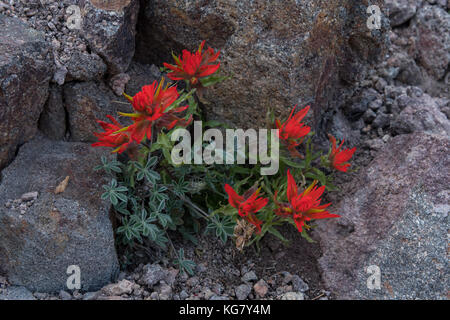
(222, 273)
(402, 101)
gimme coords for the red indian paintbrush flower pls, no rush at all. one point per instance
(293, 129)
(305, 206)
(247, 204)
(338, 158)
(151, 108)
(120, 141)
(192, 66)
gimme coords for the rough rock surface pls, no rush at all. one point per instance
(25, 72)
(404, 93)
(141, 75)
(85, 67)
(420, 49)
(432, 25)
(41, 238)
(396, 219)
(279, 53)
(401, 11)
(86, 102)
(421, 114)
(82, 33)
(110, 29)
(16, 293)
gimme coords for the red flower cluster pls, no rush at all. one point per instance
(112, 137)
(192, 66)
(151, 109)
(305, 206)
(293, 131)
(338, 158)
(152, 104)
(247, 204)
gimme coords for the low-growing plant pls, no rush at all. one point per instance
(152, 196)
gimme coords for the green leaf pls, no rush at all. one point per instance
(185, 96)
(213, 79)
(306, 236)
(277, 234)
(188, 235)
(185, 266)
(223, 228)
(292, 164)
(109, 166)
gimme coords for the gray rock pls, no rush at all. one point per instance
(114, 39)
(41, 295)
(118, 289)
(59, 77)
(395, 218)
(278, 52)
(358, 125)
(409, 72)
(85, 67)
(355, 110)
(376, 104)
(165, 292)
(86, 102)
(26, 67)
(118, 83)
(249, 276)
(431, 26)
(339, 126)
(183, 295)
(208, 294)
(216, 297)
(58, 230)
(401, 11)
(16, 293)
(369, 116)
(91, 295)
(242, 291)
(64, 295)
(292, 296)
(153, 274)
(29, 196)
(375, 144)
(53, 118)
(404, 100)
(381, 121)
(421, 115)
(141, 75)
(298, 284)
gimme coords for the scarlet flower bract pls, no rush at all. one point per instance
(110, 138)
(150, 106)
(305, 206)
(293, 129)
(338, 158)
(192, 66)
(247, 205)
